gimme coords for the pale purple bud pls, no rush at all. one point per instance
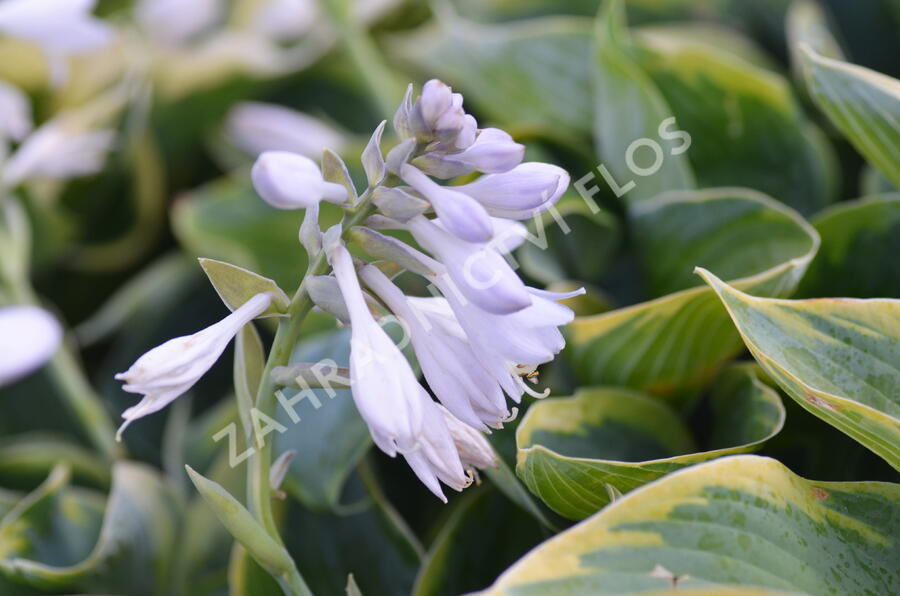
(435, 100)
(523, 192)
(291, 181)
(493, 151)
(467, 133)
(460, 214)
(450, 122)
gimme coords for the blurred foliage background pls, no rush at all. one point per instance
(115, 255)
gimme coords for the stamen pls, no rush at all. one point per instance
(531, 391)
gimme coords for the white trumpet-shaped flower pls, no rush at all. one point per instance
(259, 127)
(479, 272)
(171, 369)
(29, 336)
(493, 370)
(59, 149)
(528, 337)
(60, 27)
(384, 387)
(524, 191)
(462, 215)
(436, 457)
(475, 452)
(453, 371)
(291, 181)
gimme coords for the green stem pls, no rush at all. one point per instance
(286, 337)
(367, 58)
(84, 403)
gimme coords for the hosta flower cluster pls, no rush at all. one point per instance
(478, 338)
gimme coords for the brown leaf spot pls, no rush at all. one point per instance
(819, 494)
(821, 403)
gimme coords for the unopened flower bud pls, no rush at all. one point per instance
(435, 100)
(291, 181)
(493, 151)
(520, 193)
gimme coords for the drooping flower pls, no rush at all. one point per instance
(478, 271)
(259, 127)
(291, 181)
(29, 336)
(453, 371)
(171, 369)
(385, 389)
(493, 369)
(527, 337)
(59, 149)
(61, 28)
(436, 457)
(475, 452)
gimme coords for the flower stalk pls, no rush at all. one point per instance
(286, 337)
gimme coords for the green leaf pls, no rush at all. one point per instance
(863, 104)
(29, 458)
(482, 536)
(245, 529)
(673, 345)
(543, 63)
(575, 453)
(622, 87)
(506, 482)
(741, 521)
(837, 357)
(807, 24)
(856, 259)
(742, 120)
(236, 285)
(330, 437)
(54, 539)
